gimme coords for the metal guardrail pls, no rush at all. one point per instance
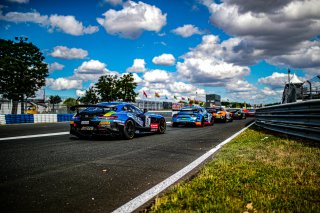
(299, 119)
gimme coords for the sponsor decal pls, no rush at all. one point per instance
(136, 119)
(109, 113)
(87, 128)
(154, 127)
(104, 122)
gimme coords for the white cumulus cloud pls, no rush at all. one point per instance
(18, 17)
(164, 59)
(69, 53)
(19, 1)
(55, 66)
(113, 2)
(63, 84)
(276, 80)
(80, 93)
(157, 76)
(138, 66)
(91, 70)
(187, 30)
(70, 25)
(204, 65)
(67, 24)
(282, 32)
(133, 19)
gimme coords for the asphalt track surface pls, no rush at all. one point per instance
(62, 174)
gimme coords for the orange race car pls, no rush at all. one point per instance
(220, 114)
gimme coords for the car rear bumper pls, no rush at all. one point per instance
(94, 129)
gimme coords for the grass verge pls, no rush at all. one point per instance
(259, 171)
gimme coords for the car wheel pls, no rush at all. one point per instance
(129, 130)
(212, 122)
(174, 124)
(202, 122)
(162, 126)
(224, 120)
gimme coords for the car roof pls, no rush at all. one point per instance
(112, 103)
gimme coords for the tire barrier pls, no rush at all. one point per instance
(24, 118)
(35, 118)
(2, 119)
(45, 118)
(53, 118)
(64, 117)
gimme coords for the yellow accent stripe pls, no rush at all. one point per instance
(109, 113)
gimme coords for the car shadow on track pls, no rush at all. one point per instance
(109, 138)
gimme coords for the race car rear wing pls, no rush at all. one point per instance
(76, 107)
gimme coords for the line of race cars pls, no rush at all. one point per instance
(126, 119)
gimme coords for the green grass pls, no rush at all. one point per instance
(259, 171)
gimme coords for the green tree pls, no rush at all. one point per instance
(107, 88)
(90, 97)
(69, 102)
(54, 100)
(22, 70)
(126, 87)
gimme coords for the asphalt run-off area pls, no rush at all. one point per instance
(44, 170)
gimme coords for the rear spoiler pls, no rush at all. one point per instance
(76, 107)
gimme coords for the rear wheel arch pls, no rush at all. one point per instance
(128, 130)
(162, 126)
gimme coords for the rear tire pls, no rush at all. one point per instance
(202, 122)
(174, 124)
(224, 120)
(162, 126)
(128, 130)
(212, 122)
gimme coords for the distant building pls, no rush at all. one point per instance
(213, 100)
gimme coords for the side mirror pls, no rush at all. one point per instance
(145, 110)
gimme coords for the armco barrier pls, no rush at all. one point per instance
(299, 119)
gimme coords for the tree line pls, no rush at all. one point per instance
(23, 72)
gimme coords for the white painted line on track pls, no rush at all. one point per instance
(154, 191)
(34, 136)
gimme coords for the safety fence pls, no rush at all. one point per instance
(299, 119)
(35, 118)
(53, 118)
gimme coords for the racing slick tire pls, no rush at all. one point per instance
(162, 126)
(211, 121)
(128, 130)
(202, 122)
(224, 120)
(174, 124)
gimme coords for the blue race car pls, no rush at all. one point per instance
(194, 115)
(114, 118)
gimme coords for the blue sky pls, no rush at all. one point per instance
(184, 48)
